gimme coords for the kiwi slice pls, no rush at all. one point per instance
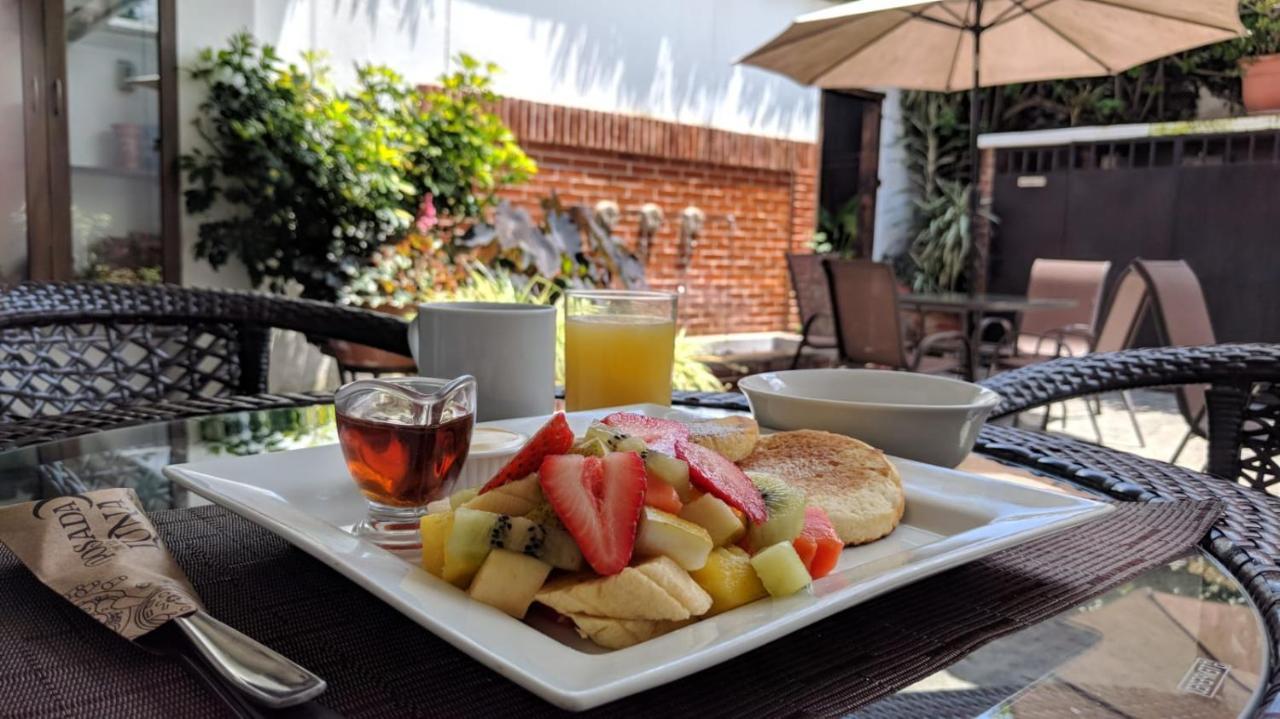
(551, 545)
(785, 507)
(590, 447)
(476, 532)
(615, 440)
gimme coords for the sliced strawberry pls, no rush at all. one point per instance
(659, 434)
(661, 495)
(598, 500)
(818, 545)
(713, 474)
(555, 437)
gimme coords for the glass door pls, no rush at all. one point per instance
(113, 136)
(13, 160)
(95, 194)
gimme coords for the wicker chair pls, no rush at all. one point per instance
(130, 350)
(1241, 403)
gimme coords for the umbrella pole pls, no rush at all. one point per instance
(975, 117)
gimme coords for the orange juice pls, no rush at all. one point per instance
(617, 359)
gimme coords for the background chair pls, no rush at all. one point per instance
(1129, 303)
(85, 346)
(868, 322)
(813, 301)
(1241, 412)
(1182, 320)
(1045, 334)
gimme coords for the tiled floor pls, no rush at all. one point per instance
(1157, 415)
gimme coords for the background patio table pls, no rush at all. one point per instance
(974, 308)
(1121, 650)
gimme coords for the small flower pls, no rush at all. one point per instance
(426, 214)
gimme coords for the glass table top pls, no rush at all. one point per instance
(1183, 639)
(984, 302)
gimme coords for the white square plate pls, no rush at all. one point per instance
(306, 497)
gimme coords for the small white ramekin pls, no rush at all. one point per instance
(498, 446)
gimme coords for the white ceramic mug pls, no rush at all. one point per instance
(509, 348)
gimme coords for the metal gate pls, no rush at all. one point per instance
(1212, 200)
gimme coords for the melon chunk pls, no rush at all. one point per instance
(509, 580)
(719, 519)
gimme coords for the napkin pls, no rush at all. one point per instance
(101, 553)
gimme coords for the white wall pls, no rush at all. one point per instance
(893, 199)
(669, 59)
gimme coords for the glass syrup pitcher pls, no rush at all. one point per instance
(404, 440)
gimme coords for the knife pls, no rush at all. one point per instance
(226, 659)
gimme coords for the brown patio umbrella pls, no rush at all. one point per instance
(949, 45)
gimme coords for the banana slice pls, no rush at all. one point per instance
(657, 590)
(621, 633)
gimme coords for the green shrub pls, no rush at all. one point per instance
(316, 179)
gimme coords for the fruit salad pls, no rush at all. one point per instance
(634, 529)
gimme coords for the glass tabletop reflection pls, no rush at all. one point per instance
(1183, 639)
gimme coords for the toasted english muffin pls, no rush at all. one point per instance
(854, 482)
(733, 437)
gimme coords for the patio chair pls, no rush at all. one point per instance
(1240, 413)
(1171, 290)
(124, 350)
(1129, 303)
(1181, 319)
(813, 302)
(868, 322)
(1050, 333)
(355, 360)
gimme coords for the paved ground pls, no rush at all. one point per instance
(1157, 413)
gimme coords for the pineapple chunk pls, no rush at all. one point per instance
(721, 522)
(514, 498)
(509, 580)
(730, 580)
(666, 535)
(435, 532)
(780, 569)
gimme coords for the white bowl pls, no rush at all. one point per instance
(491, 448)
(916, 416)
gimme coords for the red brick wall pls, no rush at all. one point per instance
(758, 194)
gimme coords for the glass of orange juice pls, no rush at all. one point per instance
(619, 346)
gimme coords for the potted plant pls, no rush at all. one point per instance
(1260, 66)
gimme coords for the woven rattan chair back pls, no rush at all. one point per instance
(1242, 410)
(1182, 320)
(67, 347)
(813, 301)
(864, 302)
